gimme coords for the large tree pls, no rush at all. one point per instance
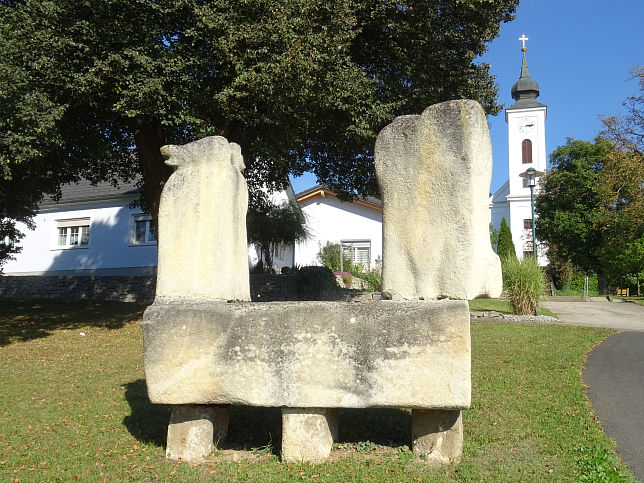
(568, 204)
(94, 88)
(590, 208)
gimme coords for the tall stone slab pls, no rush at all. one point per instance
(202, 224)
(434, 173)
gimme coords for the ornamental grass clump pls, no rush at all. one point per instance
(525, 282)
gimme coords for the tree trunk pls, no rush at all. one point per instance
(601, 283)
(149, 137)
(268, 257)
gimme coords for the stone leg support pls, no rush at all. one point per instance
(437, 435)
(195, 430)
(308, 434)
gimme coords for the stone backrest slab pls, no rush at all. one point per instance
(202, 223)
(434, 173)
(309, 354)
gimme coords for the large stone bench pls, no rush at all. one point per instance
(309, 358)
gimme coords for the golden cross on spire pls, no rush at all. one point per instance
(523, 38)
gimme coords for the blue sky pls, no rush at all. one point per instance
(579, 52)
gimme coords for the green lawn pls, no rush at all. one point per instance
(74, 407)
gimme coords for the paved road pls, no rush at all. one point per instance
(615, 375)
(615, 315)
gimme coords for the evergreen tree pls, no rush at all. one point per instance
(505, 246)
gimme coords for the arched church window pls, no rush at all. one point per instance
(526, 151)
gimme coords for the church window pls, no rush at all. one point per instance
(526, 151)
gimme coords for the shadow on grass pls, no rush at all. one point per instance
(27, 319)
(147, 422)
(261, 427)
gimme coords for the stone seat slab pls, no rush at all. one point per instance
(309, 354)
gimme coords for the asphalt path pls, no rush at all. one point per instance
(614, 371)
(615, 315)
(614, 374)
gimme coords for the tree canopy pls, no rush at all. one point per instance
(93, 89)
(278, 224)
(591, 207)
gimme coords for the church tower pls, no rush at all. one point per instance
(526, 149)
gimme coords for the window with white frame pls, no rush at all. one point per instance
(72, 233)
(359, 251)
(144, 231)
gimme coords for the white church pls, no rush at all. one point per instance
(526, 149)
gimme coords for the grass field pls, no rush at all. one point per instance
(74, 407)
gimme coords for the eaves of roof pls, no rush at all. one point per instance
(323, 192)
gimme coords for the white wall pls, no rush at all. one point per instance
(110, 244)
(329, 219)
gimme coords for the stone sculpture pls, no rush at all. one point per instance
(203, 251)
(202, 354)
(434, 173)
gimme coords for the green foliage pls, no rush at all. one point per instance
(372, 280)
(597, 463)
(300, 85)
(525, 282)
(494, 236)
(505, 245)
(275, 224)
(315, 283)
(575, 286)
(347, 279)
(329, 256)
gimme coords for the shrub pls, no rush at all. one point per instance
(259, 267)
(329, 256)
(525, 282)
(373, 280)
(315, 283)
(347, 279)
(286, 269)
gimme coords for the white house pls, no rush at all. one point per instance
(526, 149)
(357, 225)
(91, 231)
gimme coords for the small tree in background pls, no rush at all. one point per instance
(525, 282)
(275, 224)
(329, 256)
(505, 246)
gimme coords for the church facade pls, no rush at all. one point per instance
(526, 149)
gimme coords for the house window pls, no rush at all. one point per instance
(526, 183)
(144, 231)
(527, 223)
(359, 252)
(73, 233)
(526, 151)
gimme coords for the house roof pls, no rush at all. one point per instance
(323, 192)
(83, 191)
